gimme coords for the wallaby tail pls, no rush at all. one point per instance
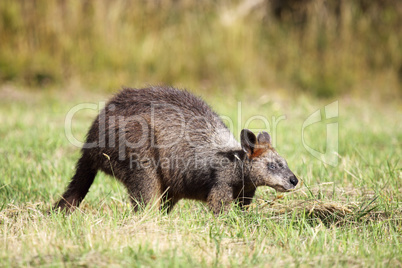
(79, 185)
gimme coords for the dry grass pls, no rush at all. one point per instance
(113, 235)
(329, 206)
(227, 45)
(348, 215)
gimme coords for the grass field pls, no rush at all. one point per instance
(350, 214)
(226, 45)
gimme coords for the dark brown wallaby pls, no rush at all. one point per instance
(165, 144)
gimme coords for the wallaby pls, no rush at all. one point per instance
(166, 144)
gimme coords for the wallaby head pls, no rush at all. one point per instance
(265, 166)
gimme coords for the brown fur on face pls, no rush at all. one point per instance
(256, 147)
(258, 152)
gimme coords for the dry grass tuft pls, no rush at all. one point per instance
(324, 208)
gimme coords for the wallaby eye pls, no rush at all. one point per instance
(271, 166)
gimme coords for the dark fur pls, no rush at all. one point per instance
(205, 139)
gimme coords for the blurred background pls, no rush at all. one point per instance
(318, 47)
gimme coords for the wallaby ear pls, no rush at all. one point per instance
(248, 141)
(264, 139)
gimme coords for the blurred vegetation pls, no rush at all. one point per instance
(322, 47)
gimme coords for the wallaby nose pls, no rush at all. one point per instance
(294, 180)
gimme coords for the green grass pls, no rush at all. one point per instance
(350, 214)
(354, 47)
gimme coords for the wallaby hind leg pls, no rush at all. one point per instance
(144, 188)
(79, 185)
